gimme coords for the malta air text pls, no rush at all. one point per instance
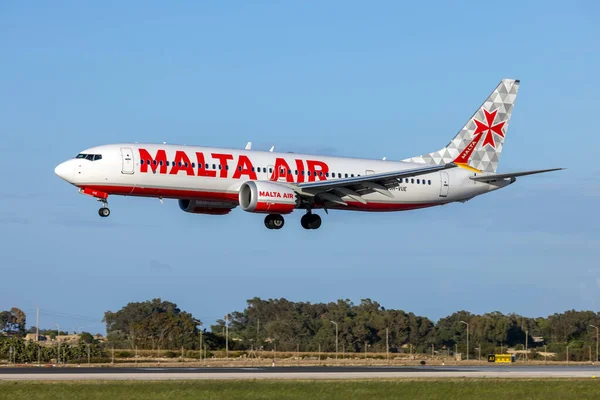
(230, 166)
(276, 195)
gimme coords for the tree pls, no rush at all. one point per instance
(13, 322)
(151, 324)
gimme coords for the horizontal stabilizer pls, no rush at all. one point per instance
(495, 177)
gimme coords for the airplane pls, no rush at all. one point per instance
(214, 181)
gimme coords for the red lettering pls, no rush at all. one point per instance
(182, 163)
(274, 194)
(223, 162)
(300, 167)
(244, 167)
(320, 173)
(280, 170)
(154, 162)
(202, 170)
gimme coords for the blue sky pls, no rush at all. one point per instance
(343, 78)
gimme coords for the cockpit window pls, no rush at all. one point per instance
(91, 157)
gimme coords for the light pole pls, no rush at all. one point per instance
(467, 338)
(58, 351)
(593, 326)
(336, 339)
(226, 336)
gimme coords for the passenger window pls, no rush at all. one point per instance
(346, 175)
(214, 166)
(160, 163)
(270, 170)
(289, 171)
(339, 175)
(199, 166)
(429, 182)
(296, 172)
(148, 162)
(142, 162)
(227, 167)
(264, 170)
(327, 174)
(240, 168)
(186, 165)
(418, 181)
(207, 166)
(193, 165)
(352, 175)
(412, 181)
(320, 173)
(283, 172)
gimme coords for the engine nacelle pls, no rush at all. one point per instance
(267, 197)
(205, 207)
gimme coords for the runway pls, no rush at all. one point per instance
(311, 373)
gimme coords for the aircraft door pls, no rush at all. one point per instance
(445, 184)
(127, 159)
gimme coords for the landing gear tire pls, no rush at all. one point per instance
(104, 212)
(310, 221)
(274, 221)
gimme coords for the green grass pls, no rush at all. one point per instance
(313, 390)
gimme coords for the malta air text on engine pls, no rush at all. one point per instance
(222, 166)
(276, 195)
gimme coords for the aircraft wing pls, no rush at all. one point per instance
(354, 188)
(496, 177)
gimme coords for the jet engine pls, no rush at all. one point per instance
(267, 197)
(206, 207)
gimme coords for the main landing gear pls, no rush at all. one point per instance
(310, 221)
(104, 211)
(274, 221)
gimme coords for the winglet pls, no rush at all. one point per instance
(248, 146)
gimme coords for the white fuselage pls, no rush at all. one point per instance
(216, 174)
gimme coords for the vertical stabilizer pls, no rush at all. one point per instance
(479, 143)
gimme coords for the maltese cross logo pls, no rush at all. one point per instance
(488, 129)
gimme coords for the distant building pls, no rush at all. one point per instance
(33, 337)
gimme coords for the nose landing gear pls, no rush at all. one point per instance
(310, 221)
(274, 221)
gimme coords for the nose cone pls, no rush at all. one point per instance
(64, 170)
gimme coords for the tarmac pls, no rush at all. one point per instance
(310, 373)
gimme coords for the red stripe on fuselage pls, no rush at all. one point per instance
(166, 193)
(233, 197)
